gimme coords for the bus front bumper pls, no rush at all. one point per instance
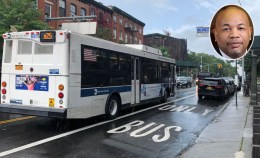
(32, 110)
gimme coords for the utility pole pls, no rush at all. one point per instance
(200, 63)
(243, 70)
(243, 58)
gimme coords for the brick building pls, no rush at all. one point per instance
(177, 47)
(124, 27)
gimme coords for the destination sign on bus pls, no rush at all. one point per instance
(47, 36)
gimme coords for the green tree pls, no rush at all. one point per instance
(22, 14)
(104, 33)
(210, 62)
(164, 51)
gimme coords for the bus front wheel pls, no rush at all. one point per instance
(112, 107)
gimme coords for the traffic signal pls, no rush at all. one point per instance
(219, 66)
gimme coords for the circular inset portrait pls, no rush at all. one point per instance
(231, 32)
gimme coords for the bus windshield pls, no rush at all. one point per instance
(28, 51)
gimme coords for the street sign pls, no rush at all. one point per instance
(202, 31)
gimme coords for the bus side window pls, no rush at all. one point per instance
(113, 61)
(8, 51)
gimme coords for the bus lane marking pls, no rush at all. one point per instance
(182, 108)
(46, 140)
(16, 119)
(138, 132)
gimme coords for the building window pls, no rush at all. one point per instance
(62, 8)
(140, 31)
(114, 33)
(135, 40)
(73, 10)
(114, 18)
(36, 4)
(131, 39)
(100, 17)
(92, 11)
(121, 36)
(108, 20)
(121, 21)
(126, 38)
(126, 25)
(47, 10)
(83, 12)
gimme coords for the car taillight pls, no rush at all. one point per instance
(61, 95)
(219, 86)
(3, 91)
(201, 85)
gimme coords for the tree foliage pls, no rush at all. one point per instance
(164, 51)
(22, 14)
(210, 62)
(104, 33)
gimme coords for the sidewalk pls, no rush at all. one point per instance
(229, 135)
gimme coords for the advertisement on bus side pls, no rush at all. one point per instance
(149, 91)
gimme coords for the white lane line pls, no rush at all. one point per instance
(8, 152)
(239, 154)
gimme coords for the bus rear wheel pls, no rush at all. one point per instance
(165, 97)
(112, 107)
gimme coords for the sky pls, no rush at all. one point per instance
(181, 17)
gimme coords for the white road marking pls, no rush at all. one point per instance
(239, 154)
(206, 112)
(8, 152)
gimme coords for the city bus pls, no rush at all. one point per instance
(63, 74)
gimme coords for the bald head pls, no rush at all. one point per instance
(233, 31)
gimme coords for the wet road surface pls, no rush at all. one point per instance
(159, 130)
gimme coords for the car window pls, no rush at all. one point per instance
(210, 82)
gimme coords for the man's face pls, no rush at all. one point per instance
(233, 32)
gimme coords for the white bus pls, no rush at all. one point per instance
(68, 75)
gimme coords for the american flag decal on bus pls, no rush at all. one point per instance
(89, 55)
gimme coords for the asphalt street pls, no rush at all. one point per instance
(158, 130)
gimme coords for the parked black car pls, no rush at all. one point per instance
(231, 85)
(216, 87)
(183, 81)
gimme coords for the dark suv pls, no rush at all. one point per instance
(216, 87)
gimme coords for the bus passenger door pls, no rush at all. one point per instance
(135, 80)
